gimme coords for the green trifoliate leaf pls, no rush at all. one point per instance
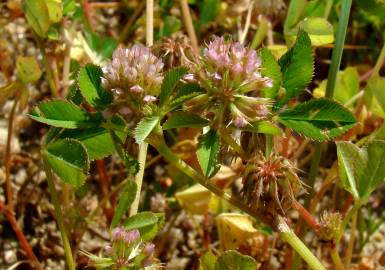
(170, 82)
(147, 223)
(144, 128)
(185, 119)
(319, 119)
(127, 197)
(27, 69)
(62, 113)
(374, 95)
(37, 15)
(320, 31)
(233, 260)
(361, 170)
(55, 10)
(263, 127)
(297, 67)
(272, 70)
(90, 86)
(69, 160)
(207, 153)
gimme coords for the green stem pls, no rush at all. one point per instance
(59, 215)
(278, 223)
(349, 250)
(261, 33)
(336, 259)
(338, 48)
(233, 144)
(48, 69)
(269, 145)
(346, 220)
(139, 177)
(291, 238)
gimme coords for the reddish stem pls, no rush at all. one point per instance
(307, 217)
(20, 236)
(346, 205)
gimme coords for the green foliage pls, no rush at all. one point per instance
(229, 260)
(184, 93)
(127, 197)
(184, 119)
(320, 31)
(147, 223)
(272, 70)
(144, 128)
(169, 83)
(61, 113)
(36, 12)
(297, 67)
(69, 160)
(208, 11)
(347, 85)
(374, 95)
(207, 153)
(294, 13)
(27, 69)
(361, 170)
(90, 86)
(263, 127)
(55, 10)
(318, 119)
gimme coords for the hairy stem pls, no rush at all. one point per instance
(291, 238)
(59, 215)
(139, 177)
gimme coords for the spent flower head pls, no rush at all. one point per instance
(270, 183)
(330, 225)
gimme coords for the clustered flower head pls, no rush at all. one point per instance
(330, 226)
(127, 251)
(233, 80)
(134, 74)
(271, 183)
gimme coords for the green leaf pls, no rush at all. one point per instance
(347, 86)
(374, 95)
(147, 223)
(61, 113)
(170, 82)
(207, 261)
(272, 70)
(207, 153)
(262, 127)
(294, 13)
(185, 119)
(69, 160)
(36, 12)
(144, 128)
(184, 93)
(55, 10)
(97, 140)
(320, 31)
(90, 86)
(208, 11)
(27, 69)
(297, 67)
(361, 170)
(318, 119)
(233, 260)
(127, 197)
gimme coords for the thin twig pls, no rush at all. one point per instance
(247, 22)
(187, 20)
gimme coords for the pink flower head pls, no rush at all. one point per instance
(135, 69)
(131, 236)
